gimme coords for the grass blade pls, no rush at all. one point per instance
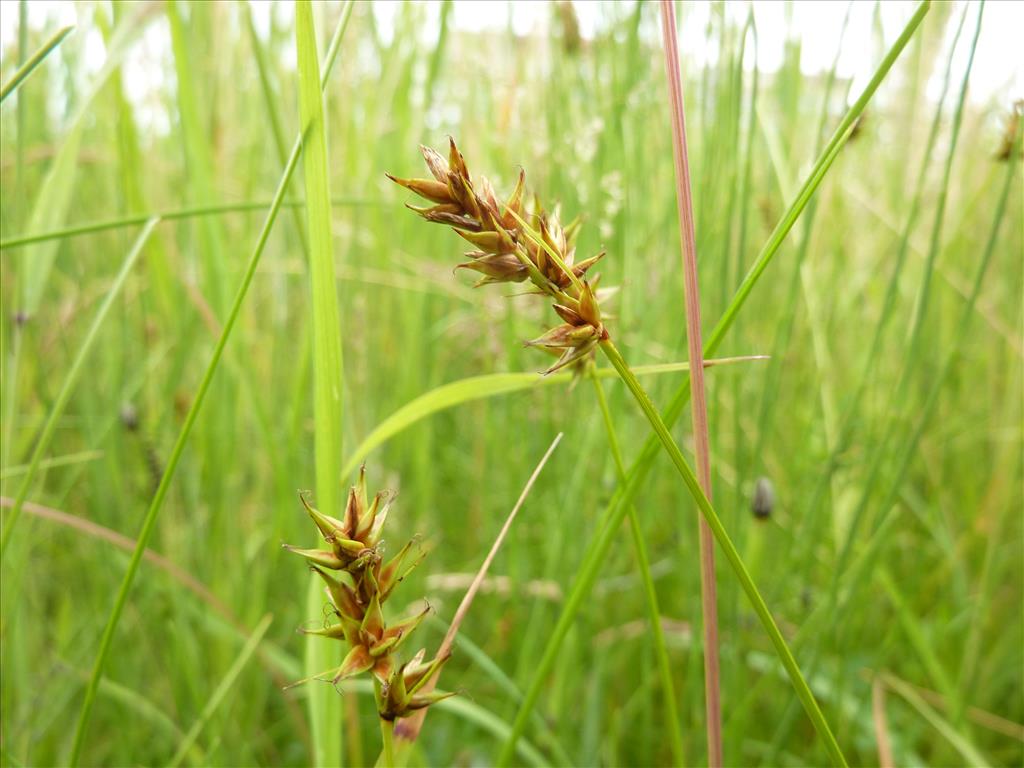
(167, 215)
(43, 443)
(490, 385)
(324, 704)
(222, 690)
(967, 750)
(37, 58)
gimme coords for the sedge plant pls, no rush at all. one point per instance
(520, 241)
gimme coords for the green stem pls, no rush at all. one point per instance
(387, 731)
(387, 735)
(672, 722)
(803, 692)
(134, 220)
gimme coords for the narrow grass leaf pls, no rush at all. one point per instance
(408, 729)
(51, 206)
(698, 400)
(123, 222)
(324, 704)
(68, 386)
(472, 388)
(967, 750)
(34, 61)
(222, 690)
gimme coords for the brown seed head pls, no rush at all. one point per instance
(514, 243)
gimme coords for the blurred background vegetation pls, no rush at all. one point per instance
(896, 535)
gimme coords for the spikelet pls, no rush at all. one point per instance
(513, 242)
(355, 548)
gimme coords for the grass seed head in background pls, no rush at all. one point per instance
(356, 548)
(515, 242)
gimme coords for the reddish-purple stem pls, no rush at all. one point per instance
(684, 200)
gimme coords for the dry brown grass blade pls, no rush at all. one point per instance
(408, 730)
(193, 585)
(698, 404)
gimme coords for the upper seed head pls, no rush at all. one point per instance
(514, 244)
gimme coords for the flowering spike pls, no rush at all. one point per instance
(355, 549)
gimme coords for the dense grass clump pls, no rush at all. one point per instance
(186, 343)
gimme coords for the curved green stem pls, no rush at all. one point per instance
(672, 722)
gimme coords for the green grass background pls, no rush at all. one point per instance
(896, 539)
